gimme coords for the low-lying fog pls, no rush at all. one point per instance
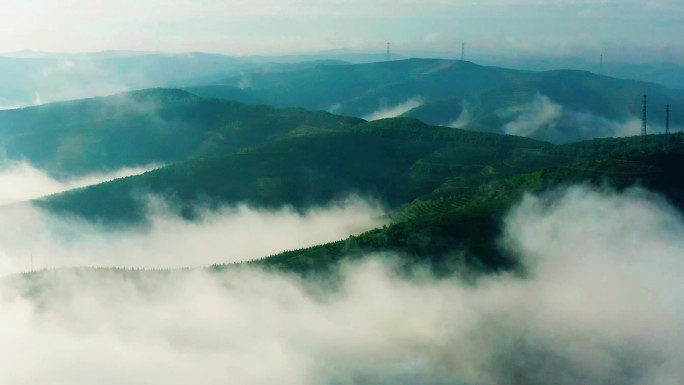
(544, 119)
(20, 181)
(601, 303)
(231, 234)
(393, 111)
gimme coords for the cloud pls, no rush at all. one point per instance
(229, 234)
(600, 303)
(396, 110)
(664, 6)
(589, 124)
(19, 181)
(464, 118)
(333, 108)
(540, 113)
(542, 118)
(431, 37)
(245, 81)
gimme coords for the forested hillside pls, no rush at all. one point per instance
(458, 230)
(446, 188)
(559, 106)
(143, 127)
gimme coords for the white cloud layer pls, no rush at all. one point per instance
(227, 235)
(464, 118)
(545, 119)
(396, 110)
(19, 181)
(541, 113)
(602, 304)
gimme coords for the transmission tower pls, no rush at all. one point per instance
(644, 122)
(667, 119)
(387, 57)
(601, 65)
(668, 139)
(462, 51)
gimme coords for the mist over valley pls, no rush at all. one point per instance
(309, 193)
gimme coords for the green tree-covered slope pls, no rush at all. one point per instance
(143, 127)
(460, 231)
(396, 161)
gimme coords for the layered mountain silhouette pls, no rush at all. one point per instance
(559, 106)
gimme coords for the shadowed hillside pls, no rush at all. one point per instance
(143, 127)
(559, 106)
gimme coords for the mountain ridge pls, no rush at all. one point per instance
(574, 97)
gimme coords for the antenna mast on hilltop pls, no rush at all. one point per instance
(644, 121)
(667, 124)
(462, 51)
(387, 57)
(667, 119)
(601, 65)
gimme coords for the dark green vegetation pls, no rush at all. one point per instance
(396, 160)
(143, 127)
(586, 105)
(454, 230)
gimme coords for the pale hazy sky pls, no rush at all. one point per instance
(271, 26)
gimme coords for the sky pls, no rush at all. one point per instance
(628, 28)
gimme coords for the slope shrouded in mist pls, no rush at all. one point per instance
(331, 209)
(224, 235)
(544, 119)
(19, 181)
(600, 303)
(234, 233)
(394, 111)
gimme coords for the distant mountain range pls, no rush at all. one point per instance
(34, 77)
(31, 78)
(558, 106)
(665, 73)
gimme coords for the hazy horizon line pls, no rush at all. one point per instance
(398, 54)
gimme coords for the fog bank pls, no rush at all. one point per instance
(396, 110)
(542, 118)
(601, 303)
(226, 235)
(20, 181)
